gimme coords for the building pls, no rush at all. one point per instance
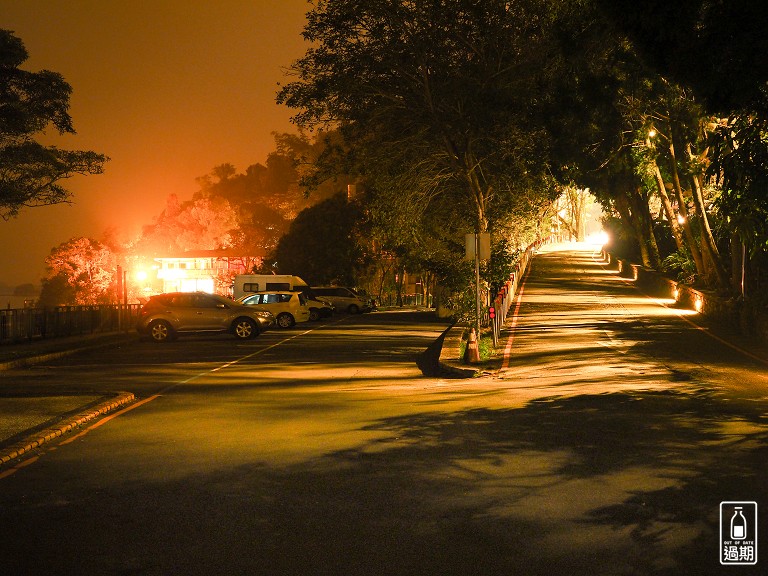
(211, 271)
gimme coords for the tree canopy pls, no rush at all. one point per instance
(429, 96)
(30, 102)
(79, 271)
(715, 47)
(461, 114)
(322, 243)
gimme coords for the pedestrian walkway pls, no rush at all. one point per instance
(574, 305)
(576, 312)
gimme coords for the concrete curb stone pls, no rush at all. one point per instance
(39, 438)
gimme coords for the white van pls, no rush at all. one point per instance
(249, 283)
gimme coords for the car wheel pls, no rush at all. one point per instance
(353, 309)
(245, 328)
(160, 331)
(314, 314)
(285, 320)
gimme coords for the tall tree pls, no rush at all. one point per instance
(715, 47)
(436, 94)
(79, 271)
(30, 102)
(322, 244)
(201, 224)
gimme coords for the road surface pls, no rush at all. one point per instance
(604, 445)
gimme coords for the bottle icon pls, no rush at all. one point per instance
(738, 525)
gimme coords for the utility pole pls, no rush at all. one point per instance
(119, 296)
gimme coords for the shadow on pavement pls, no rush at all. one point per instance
(619, 484)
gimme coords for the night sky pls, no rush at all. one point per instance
(167, 89)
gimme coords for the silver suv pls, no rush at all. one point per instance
(344, 298)
(164, 316)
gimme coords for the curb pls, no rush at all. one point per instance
(24, 361)
(449, 355)
(40, 438)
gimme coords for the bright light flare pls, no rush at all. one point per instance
(698, 304)
(141, 275)
(599, 238)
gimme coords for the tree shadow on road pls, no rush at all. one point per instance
(622, 483)
(609, 484)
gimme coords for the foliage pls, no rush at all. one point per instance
(201, 224)
(56, 291)
(80, 271)
(681, 264)
(321, 245)
(30, 102)
(715, 47)
(430, 97)
(740, 162)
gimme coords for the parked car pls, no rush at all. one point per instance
(319, 307)
(164, 316)
(287, 307)
(344, 298)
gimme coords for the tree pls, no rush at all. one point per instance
(715, 47)
(79, 271)
(436, 94)
(322, 245)
(201, 224)
(30, 102)
(740, 163)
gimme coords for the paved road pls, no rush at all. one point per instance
(603, 446)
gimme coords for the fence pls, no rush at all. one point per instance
(506, 295)
(390, 299)
(19, 324)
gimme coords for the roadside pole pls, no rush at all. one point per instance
(477, 284)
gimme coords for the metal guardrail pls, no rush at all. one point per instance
(24, 324)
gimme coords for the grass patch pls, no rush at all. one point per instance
(486, 347)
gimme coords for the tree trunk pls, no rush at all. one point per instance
(642, 214)
(622, 203)
(669, 211)
(399, 281)
(737, 264)
(709, 247)
(683, 211)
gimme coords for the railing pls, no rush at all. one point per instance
(506, 294)
(20, 324)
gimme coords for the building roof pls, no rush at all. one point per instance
(225, 253)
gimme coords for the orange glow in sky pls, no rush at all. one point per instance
(167, 89)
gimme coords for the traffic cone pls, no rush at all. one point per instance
(473, 351)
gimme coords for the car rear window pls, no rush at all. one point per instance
(160, 300)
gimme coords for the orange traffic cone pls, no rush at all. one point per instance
(473, 351)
